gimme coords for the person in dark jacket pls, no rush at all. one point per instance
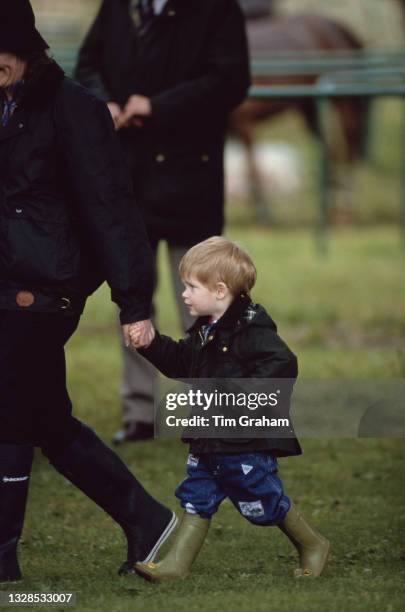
(170, 71)
(232, 338)
(67, 223)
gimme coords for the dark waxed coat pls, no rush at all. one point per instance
(67, 217)
(239, 346)
(193, 64)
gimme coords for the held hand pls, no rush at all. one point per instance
(136, 109)
(116, 113)
(141, 334)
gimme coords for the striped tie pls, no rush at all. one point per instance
(142, 12)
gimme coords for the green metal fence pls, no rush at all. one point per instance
(321, 62)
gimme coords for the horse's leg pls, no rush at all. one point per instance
(352, 114)
(243, 127)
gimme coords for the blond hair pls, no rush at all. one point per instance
(219, 260)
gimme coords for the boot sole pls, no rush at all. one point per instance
(172, 524)
(152, 578)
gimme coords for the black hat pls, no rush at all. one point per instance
(17, 28)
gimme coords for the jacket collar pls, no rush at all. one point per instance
(235, 312)
(37, 92)
(230, 318)
(39, 89)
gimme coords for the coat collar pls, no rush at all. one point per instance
(37, 92)
(40, 88)
(240, 313)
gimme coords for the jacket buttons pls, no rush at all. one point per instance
(25, 299)
(20, 126)
(18, 211)
(171, 13)
(160, 158)
(211, 337)
(224, 349)
(205, 158)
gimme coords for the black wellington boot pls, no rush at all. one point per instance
(97, 471)
(15, 469)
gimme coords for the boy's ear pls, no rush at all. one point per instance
(221, 291)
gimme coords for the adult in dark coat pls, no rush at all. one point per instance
(171, 72)
(67, 222)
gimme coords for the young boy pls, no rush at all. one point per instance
(232, 338)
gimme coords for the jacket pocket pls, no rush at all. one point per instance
(40, 246)
(175, 181)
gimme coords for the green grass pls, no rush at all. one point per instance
(345, 317)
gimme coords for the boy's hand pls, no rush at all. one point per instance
(140, 334)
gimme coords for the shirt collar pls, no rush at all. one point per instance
(14, 91)
(11, 97)
(158, 6)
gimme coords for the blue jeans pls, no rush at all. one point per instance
(249, 480)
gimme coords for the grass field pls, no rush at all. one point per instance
(344, 316)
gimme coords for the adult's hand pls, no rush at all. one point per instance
(116, 113)
(136, 109)
(139, 334)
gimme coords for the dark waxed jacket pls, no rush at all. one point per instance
(243, 344)
(67, 217)
(192, 62)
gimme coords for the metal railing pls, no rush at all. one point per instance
(311, 62)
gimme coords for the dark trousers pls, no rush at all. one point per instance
(35, 409)
(34, 403)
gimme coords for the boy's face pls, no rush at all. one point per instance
(201, 300)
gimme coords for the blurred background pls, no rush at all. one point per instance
(285, 153)
(380, 23)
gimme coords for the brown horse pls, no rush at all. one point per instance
(300, 34)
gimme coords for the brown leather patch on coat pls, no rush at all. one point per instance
(25, 299)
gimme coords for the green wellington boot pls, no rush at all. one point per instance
(185, 548)
(312, 547)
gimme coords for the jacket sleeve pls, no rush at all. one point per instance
(267, 355)
(102, 198)
(171, 358)
(89, 64)
(225, 79)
